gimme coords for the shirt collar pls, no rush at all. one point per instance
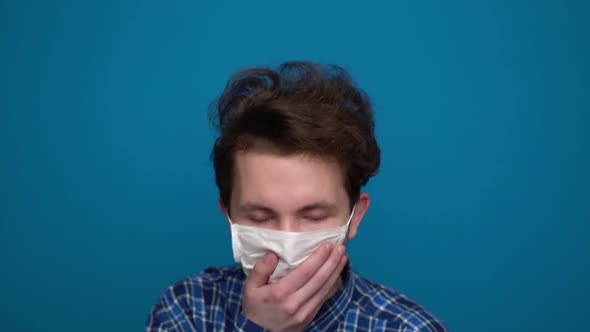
(336, 305)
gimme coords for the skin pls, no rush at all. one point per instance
(296, 193)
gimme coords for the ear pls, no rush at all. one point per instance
(362, 205)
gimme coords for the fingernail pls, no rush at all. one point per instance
(328, 246)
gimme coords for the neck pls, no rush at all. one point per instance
(335, 288)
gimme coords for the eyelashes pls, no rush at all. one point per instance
(260, 220)
(266, 219)
(315, 218)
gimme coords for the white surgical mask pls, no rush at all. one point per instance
(249, 244)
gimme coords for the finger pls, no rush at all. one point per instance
(262, 270)
(313, 304)
(304, 272)
(329, 271)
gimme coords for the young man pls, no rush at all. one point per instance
(296, 145)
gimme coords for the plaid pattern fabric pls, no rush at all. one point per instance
(211, 301)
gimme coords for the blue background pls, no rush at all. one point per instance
(480, 211)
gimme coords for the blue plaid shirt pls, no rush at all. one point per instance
(211, 301)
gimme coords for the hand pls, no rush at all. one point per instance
(292, 302)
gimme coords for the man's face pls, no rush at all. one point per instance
(294, 193)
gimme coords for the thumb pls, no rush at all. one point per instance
(262, 270)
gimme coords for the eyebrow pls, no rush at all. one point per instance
(321, 205)
(249, 207)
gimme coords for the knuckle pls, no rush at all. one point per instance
(300, 317)
(306, 274)
(291, 310)
(279, 295)
(323, 275)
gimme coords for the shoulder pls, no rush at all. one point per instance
(384, 303)
(192, 296)
(211, 279)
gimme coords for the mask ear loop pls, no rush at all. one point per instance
(348, 225)
(234, 238)
(344, 271)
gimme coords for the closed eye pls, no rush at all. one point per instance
(315, 218)
(260, 220)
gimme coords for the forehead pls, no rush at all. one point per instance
(286, 180)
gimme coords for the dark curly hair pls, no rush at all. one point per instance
(301, 107)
